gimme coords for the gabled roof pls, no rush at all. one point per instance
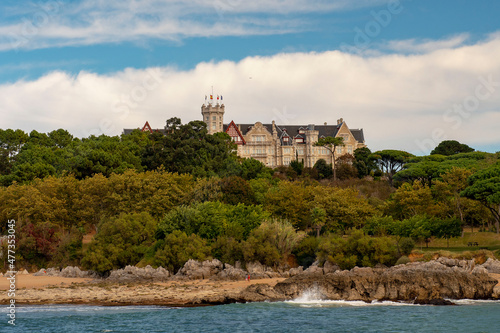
(233, 125)
(147, 127)
(292, 130)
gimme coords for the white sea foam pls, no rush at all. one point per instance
(315, 298)
(473, 301)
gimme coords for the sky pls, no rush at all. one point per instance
(411, 73)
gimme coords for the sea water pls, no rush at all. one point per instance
(301, 315)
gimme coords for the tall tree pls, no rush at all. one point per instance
(364, 161)
(331, 144)
(451, 147)
(391, 161)
(484, 186)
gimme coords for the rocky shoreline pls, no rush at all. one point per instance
(213, 283)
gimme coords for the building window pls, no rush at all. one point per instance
(214, 118)
(300, 140)
(286, 161)
(285, 139)
(286, 150)
(213, 126)
(258, 138)
(345, 137)
(339, 150)
(349, 149)
(300, 151)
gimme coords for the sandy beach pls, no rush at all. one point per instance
(59, 290)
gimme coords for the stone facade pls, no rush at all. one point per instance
(276, 145)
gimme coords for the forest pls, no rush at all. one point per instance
(104, 202)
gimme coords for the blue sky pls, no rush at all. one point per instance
(398, 69)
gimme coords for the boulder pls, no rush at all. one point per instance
(230, 273)
(75, 272)
(296, 271)
(328, 267)
(132, 274)
(492, 266)
(48, 272)
(193, 269)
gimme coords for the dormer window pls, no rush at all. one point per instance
(301, 131)
(285, 139)
(299, 140)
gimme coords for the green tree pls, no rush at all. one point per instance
(177, 248)
(484, 186)
(344, 208)
(391, 161)
(120, 241)
(331, 144)
(190, 149)
(272, 243)
(324, 169)
(451, 147)
(357, 250)
(364, 162)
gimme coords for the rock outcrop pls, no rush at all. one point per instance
(492, 266)
(415, 282)
(230, 273)
(194, 270)
(132, 274)
(69, 271)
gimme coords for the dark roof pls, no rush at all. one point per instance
(293, 130)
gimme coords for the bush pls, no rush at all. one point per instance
(119, 242)
(402, 260)
(305, 252)
(228, 250)
(406, 245)
(272, 243)
(177, 248)
(358, 250)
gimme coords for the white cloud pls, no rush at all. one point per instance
(62, 23)
(409, 102)
(427, 45)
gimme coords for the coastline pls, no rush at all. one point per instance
(45, 290)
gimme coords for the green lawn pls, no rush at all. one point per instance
(486, 240)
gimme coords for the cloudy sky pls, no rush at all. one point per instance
(411, 73)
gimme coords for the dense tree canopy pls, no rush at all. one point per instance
(451, 147)
(391, 161)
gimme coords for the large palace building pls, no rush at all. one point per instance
(276, 145)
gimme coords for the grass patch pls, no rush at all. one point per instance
(485, 240)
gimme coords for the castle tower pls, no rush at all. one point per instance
(213, 115)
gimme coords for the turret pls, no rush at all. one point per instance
(213, 116)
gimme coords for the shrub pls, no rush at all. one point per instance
(402, 260)
(177, 248)
(119, 242)
(406, 245)
(272, 242)
(358, 250)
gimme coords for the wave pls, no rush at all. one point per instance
(342, 303)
